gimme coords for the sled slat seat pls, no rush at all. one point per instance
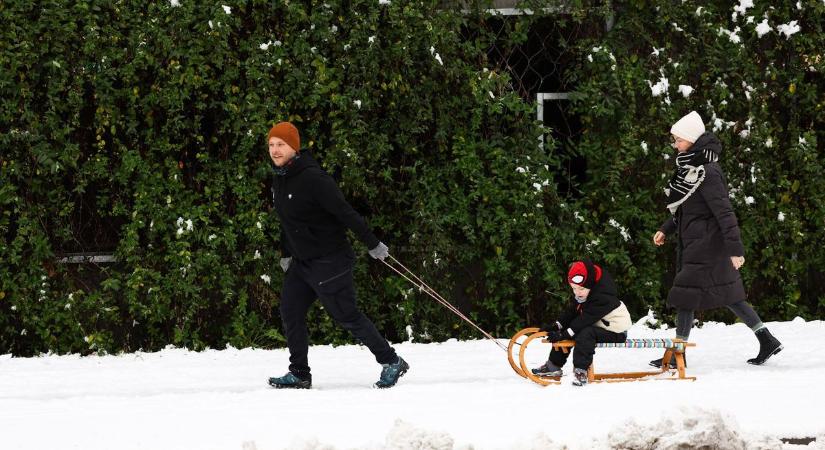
(646, 343)
(673, 348)
(675, 344)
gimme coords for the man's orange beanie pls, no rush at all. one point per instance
(286, 132)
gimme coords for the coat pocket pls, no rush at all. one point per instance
(333, 278)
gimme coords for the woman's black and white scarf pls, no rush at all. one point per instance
(689, 174)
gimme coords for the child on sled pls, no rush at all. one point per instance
(595, 315)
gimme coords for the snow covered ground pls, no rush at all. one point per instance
(457, 395)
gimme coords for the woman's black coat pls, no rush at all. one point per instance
(707, 236)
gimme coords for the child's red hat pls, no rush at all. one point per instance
(584, 273)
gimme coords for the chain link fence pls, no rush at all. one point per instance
(536, 44)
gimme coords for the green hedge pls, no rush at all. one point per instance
(139, 128)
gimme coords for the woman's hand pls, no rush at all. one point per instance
(659, 238)
(737, 261)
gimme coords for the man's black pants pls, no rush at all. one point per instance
(328, 278)
(586, 340)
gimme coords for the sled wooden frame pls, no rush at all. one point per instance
(673, 348)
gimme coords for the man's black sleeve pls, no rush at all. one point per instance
(332, 200)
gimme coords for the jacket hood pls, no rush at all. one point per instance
(605, 285)
(707, 141)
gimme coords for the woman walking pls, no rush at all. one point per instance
(709, 247)
(318, 258)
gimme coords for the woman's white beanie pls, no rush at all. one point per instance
(689, 127)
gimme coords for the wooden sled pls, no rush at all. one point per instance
(673, 347)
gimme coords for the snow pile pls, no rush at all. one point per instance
(404, 436)
(310, 444)
(688, 428)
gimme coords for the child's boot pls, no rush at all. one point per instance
(579, 377)
(547, 369)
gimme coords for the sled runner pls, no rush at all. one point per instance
(673, 348)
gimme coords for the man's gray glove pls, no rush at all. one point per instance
(285, 262)
(380, 251)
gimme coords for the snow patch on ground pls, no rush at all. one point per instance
(457, 395)
(686, 428)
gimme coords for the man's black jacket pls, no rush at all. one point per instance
(314, 214)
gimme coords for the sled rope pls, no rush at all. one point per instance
(422, 286)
